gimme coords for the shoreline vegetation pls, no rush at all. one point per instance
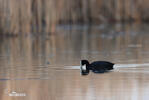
(42, 16)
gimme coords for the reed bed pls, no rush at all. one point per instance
(42, 16)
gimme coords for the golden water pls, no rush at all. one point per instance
(34, 65)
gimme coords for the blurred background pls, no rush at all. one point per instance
(41, 39)
(42, 16)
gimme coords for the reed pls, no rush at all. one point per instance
(42, 16)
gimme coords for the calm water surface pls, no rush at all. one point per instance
(38, 66)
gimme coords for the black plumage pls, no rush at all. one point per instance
(96, 67)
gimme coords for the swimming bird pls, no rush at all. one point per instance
(96, 67)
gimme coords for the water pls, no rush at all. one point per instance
(46, 67)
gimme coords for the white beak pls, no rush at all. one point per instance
(84, 67)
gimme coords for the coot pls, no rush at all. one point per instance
(96, 67)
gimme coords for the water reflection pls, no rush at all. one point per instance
(35, 64)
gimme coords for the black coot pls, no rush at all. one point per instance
(96, 67)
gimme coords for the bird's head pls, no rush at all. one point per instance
(84, 67)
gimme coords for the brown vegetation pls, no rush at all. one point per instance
(38, 16)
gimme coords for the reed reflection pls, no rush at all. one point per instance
(34, 64)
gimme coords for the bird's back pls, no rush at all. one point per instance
(101, 66)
